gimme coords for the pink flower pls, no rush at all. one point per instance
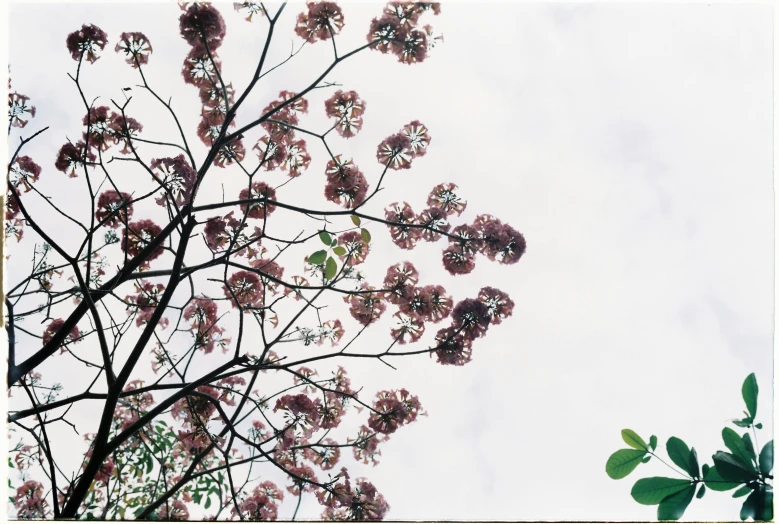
(54, 327)
(400, 281)
(196, 410)
(244, 289)
(433, 218)
(29, 501)
(443, 196)
(408, 326)
(365, 446)
(389, 414)
(199, 68)
(302, 412)
(270, 153)
(453, 347)
(404, 236)
(220, 232)
(229, 153)
(71, 157)
(251, 7)
(498, 303)
(175, 510)
(440, 304)
(356, 248)
(301, 481)
(17, 107)
(202, 23)
(472, 317)
(122, 129)
(331, 330)
(98, 124)
(136, 47)
(347, 108)
(89, 40)
(138, 235)
(202, 314)
(457, 261)
(115, 208)
(259, 190)
(297, 158)
(323, 20)
(268, 268)
(23, 172)
(395, 152)
(330, 413)
(385, 31)
(365, 306)
(412, 49)
(418, 136)
(499, 241)
(178, 178)
(145, 301)
(214, 103)
(325, 456)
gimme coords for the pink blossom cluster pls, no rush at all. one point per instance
(262, 503)
(397, 151)
(323, 21)
(202, 315)
(470, 320)
(281, 148)
(145, 301)
(347, 108)
(346, 185)
(228, 232)
(397, 31)
(345, 501)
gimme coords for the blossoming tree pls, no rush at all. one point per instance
(212, 295)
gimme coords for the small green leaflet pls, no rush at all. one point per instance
(331, 268)
(633, 440)
(621, 463)
(679, 453)
(653, 442)
(749, 393)
(714, 480)
(673, 506)
(324, 236)
(317, 257)
(340, 251)
(365, 235)
(355, 220)
(767, 458)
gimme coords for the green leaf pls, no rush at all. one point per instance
(653, 490)
(208, 503)
(759, 426)
(767, 458)
(732, 469)
(317, 257)
(621, 463)
(633, 440)
(325, 237)
(740, 492)
(694, 470)
(331, 268)
(365, 235)
(673, 506)
(758, 505)
(646, 459)
(340, 251)
(714, 480)
(653, 442)
(743, 423)
(679, 453)
(736, 446)
(747, 440)
(749, 392)
(705, 469)
(701, 491)
(356, 220)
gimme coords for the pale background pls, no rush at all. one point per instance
(630, 144)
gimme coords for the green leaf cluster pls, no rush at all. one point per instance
(739, 467)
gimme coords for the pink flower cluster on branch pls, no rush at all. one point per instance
(136, 48)
(86, 43)
(346, 185)
(18, 109)
(323, 21)
(396, 31)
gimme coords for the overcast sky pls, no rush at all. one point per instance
(630, 144)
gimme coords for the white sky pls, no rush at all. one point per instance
(630, 144)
